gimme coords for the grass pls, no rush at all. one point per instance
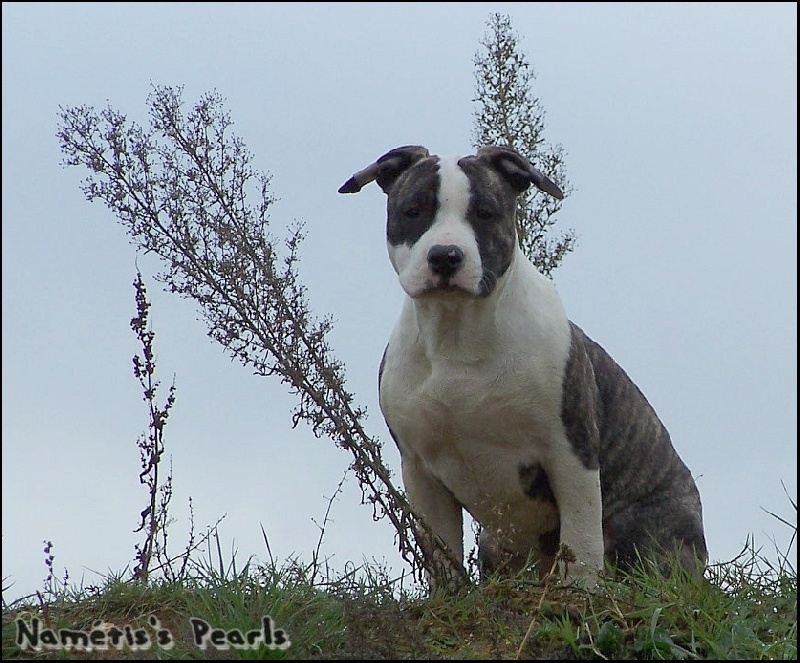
(742, 609)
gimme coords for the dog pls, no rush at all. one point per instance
(503, 407)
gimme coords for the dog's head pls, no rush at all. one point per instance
(451, 222)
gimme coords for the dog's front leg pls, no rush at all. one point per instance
(577, 492)
(443, 514)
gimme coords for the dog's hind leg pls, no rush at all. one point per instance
(657, 531)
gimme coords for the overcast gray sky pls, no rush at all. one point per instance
(679, 123)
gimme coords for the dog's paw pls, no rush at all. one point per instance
(573, 572)
(446, 574)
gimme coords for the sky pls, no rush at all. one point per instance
(679, 127)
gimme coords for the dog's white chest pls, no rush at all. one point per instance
(467, 425)
(477, 397)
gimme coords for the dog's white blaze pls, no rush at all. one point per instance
(448, 227)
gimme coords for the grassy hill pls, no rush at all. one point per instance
(743, 609)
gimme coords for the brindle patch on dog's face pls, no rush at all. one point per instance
(413, 203)
(492, 215)
(453, 203)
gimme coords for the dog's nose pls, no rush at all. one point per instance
(445, 260)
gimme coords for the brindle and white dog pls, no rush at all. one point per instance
(498, 403)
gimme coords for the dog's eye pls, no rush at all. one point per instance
(484, 213)
(412, 212)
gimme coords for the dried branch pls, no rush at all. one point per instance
(180, 189)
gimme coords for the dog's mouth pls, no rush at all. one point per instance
(464, 284)
(443, 291)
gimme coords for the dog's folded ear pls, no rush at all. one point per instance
(518, 170)
(386, 169)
